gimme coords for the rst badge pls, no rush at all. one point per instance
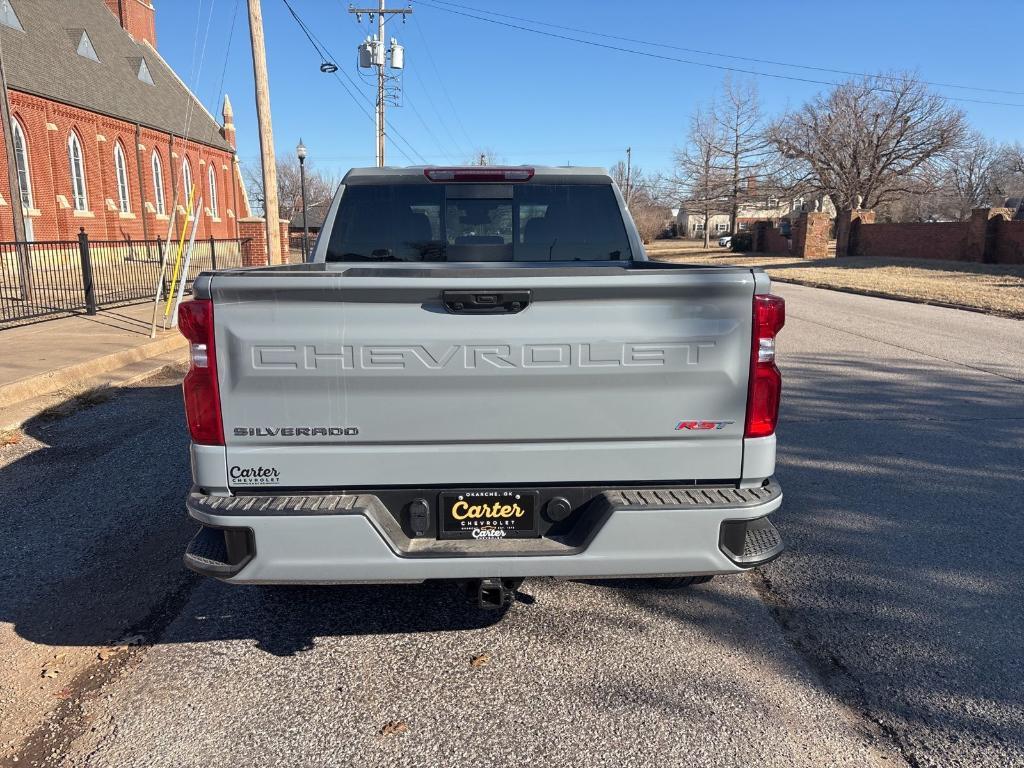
(702, 426)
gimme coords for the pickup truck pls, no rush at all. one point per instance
(480, 376)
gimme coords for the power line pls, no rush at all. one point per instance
(227, 53)
(752, 59)
(440, 81)
(325, 54)
(663, 57)
(426, 126)
(440, 118)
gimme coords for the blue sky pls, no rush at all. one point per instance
(536, 99)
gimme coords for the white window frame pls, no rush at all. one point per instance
(21, 161)
(159, 201)
(213, 192)
(76, 162)
(722, 227)
(124, 192)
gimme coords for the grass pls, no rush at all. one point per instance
(993, 288)
(77, 402)
(11, 436)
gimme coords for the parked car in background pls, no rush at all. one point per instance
(725, 241)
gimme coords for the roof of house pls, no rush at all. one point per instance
(43, 60)
(315, 215)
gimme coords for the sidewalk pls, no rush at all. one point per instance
(45, 362)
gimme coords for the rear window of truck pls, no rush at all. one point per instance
(479, 222)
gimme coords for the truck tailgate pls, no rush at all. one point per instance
(362, 378)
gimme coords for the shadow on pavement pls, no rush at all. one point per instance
(95, 527)
(904, 572)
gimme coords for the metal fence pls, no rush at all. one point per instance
(41, 280)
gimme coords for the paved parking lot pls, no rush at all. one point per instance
(890, 634)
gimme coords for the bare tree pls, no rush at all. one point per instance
(650, 213)
(618, 174)
(967, 180)
(871, 140)
(744, 145)
(699, 182)
(1008, 173)
(484, 156)
(319, 186)
(650, 219)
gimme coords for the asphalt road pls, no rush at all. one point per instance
(890, 634)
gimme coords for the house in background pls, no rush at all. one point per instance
(316, 214)
(106, 136)
(690, 223)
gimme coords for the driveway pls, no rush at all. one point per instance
(890, 633)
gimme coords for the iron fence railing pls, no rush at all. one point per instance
(40, 280)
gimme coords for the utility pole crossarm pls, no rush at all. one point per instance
(381, 13)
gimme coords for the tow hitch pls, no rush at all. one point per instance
(496, 594)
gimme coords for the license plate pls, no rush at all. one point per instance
(488, 515)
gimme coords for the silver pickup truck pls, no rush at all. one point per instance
(480, 376)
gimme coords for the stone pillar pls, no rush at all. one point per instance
(253, 233)
(810, 235)
(847, 223)
(980, 244)
(286, 254)
(758, 236)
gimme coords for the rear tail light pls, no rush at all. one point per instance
(479, 173)
(202, 394)
(765, 389)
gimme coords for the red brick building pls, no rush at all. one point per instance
(106, 136)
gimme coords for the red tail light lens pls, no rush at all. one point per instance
(202, 394)
(765, 379)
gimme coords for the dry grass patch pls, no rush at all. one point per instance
(994, 288)
(77, 402)
(11, 436)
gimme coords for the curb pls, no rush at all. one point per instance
(74, 376)
(898, 297)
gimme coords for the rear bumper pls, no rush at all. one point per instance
(329, 539)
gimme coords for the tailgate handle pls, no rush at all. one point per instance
(485, 302)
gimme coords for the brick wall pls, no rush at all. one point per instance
(47, 126)
(253, 232)
(139, 18)
(286, 255)
(988, 236)
(1009, 248)
(810, 235)
(767, 239)
(913, 241)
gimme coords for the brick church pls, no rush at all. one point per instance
(106, 135)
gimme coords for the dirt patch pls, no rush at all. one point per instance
(993, 288)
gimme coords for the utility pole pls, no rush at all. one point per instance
(629, 174)
(272, 211)
(377, 58)
(14, 184)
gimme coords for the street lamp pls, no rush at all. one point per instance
(301, 153)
